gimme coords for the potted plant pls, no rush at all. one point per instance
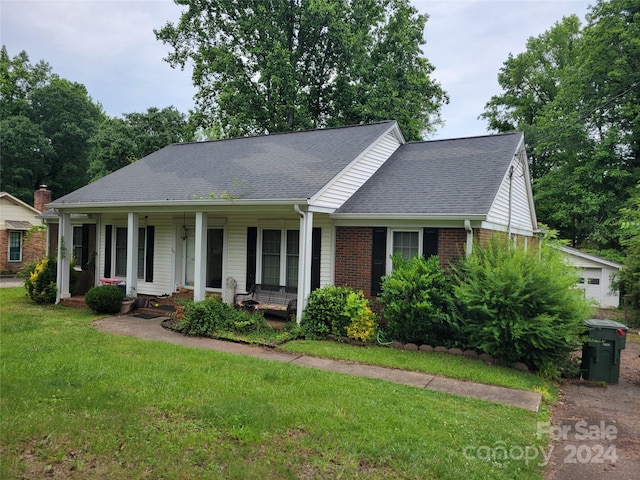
(127, 302)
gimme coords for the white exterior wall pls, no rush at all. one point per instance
(11, 211)
(522, 217)
(591, 269)
(168, 249)
(357, 173)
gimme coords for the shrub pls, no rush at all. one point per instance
(211, 315)
(104, 299)
(364, 323)
(520, 305)
(40, 279)
(325, 312)
(418, 302)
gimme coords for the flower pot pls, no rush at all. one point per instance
(127, 306)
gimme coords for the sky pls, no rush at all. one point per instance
(109, 46)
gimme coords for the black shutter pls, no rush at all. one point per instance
(316, 240)
(150, 236)
(107, 250)
(430, 242)
(252, 243)
(85, 246)
(379, 258)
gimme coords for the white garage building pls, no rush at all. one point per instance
(595, 276)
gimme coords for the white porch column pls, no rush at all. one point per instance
(304, 262)
(65, 245)
(132, 254)
(308, 238)
(200, 267)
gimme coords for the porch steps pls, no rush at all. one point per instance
(76, 302)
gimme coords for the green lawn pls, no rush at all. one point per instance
(81, 404)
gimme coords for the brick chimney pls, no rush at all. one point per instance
(41, 197)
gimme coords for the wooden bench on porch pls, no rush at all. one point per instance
(269, 299)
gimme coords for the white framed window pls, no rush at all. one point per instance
(77, 244)
(142, 251)
(120, 246)
(15, 246)
(404, 242)
(279, 257)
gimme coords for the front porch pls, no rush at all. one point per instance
(155, 306)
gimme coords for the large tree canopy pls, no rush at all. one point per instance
(46, 124)
(576, 95)
(278, 65)
(121, 141)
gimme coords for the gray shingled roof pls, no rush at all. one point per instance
(449, 177)
(281, 166)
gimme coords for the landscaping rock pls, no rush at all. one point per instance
(520, 366)
(331, 337)
(397, 345)
(470, 354)
(426, 348)
(485, 357)
(441, 349)
(411, 346)
(455, 351)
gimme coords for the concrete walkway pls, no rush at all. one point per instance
(152, 330)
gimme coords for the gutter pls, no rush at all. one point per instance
(177, 205)
(469, 245)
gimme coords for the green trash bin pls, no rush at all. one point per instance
(601, 353)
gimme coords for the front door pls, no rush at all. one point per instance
(215, 244)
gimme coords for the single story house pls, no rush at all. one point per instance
(300, 209)
(595, 276)
(17, 219)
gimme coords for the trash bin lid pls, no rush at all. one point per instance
(599, 323)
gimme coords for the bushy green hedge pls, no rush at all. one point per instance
(325, 312)
(211, 315)
(418, 303)
(520, 305)
(40, 279)
(104, 299)
(340, 311)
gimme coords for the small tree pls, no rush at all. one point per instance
(40, 278)
(417, 300)
(520, 305)
(627, 281)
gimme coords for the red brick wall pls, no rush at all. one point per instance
(353, 258)
(451, 244)
(33, 249)
(353, 254)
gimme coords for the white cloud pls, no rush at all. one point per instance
(110, 47)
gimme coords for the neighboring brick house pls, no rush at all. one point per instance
(299, 209)
(20, 243)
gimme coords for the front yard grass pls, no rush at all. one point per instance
(437, 363)
(82, 404)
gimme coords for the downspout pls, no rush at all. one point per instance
(467, 227)
(510, 202)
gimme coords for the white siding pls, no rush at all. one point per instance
(10, 211)
(168, 251)
(356, 174)
(521, 214)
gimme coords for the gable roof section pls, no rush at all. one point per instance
(587, 259)
(440, 178)
(16, 201)
(285, 166)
